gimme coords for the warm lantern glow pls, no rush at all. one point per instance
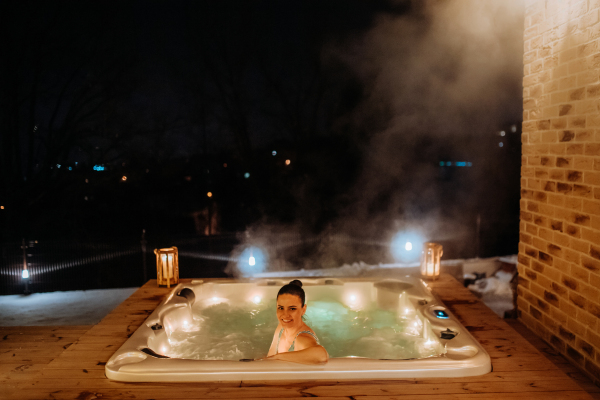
(430, 260)
(288, 162)
(1, 207)
(209, 194)
(167, 266)
(124, 178)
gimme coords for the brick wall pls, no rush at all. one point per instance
(559, 249)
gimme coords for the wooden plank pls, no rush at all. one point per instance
(520, 371)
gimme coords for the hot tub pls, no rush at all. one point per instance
(449, 349)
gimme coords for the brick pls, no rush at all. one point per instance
(574, 149)
(583, 163)
(590, 264)
(590, 235)
(551, 297)
(558, 123)
(580, 273)
(592, 149)
(537, 314)
(595, 251)
(574, 176)
(566, 334)
(557, 343)
(580, 219)
(556, 200)
(580, 246)
(564, 162)
(583, 191)
(545, 234)
(564, 187)
(592, 178)
(550, 186)
(570, 283)
(557, 174)
(578, 122)
(564, 109)
(573, 203)
(592, 368)
(573, 230)
(593, 309)
(591, 207)
(562, 240)
(537, 267)
(556, 225)
(578, 300)
(593, 90)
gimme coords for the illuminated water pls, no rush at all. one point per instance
(226, 332)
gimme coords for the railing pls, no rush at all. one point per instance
(129, 262)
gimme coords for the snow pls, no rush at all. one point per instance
(78, 307)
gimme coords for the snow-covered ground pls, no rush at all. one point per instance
(88, 307)
(78, 307)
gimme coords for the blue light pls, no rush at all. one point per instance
(442, 163)
(461, 163)
(441, 314)
(449, 163)
(99, 167)
(247, 175)
(25, 274)
(274, 153)
(469, 164)
(70, 168)
(252, 261)
(406, 246)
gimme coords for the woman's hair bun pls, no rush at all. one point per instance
(296, 282)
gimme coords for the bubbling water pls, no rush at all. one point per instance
(232, 332)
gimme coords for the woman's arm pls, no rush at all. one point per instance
(273, 348)
(308, 352)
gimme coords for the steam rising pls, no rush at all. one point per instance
(436, 81)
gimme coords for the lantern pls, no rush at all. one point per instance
(167, 266)
(430, 260)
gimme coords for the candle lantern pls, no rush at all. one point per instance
(167, 266)
(430, 260)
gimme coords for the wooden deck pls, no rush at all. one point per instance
(67, 362)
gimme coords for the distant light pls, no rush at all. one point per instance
(57, 165)
(449, 163)
(247, 175)
(256, 299)
(274, 153)
(25, 274)
(124, 178)
(215, 298)
(251, 261)
(288, 162)
(501, 144)
(469, 164)
(99, 167)
(75, 162)
(224, 165)
(406, 246)
(442, 163)
(513, 128)
(85, 198)
(87, 180)
(461, 163)
(188, 178)
(70, 168)
(352, 298)
(502, 133)
(209, 194)
(1, 207)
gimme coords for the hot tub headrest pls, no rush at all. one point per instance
(188, 294)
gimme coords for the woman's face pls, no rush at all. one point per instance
(290, 310)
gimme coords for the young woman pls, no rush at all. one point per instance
(293, 340)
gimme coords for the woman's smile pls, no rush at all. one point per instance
(290, 310)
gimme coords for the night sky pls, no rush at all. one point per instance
(372, 102)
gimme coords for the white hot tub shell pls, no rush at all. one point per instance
(140, 358)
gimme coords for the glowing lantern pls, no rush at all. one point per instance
(167, 266)
(430, 260)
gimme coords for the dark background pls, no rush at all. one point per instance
(119, 117)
